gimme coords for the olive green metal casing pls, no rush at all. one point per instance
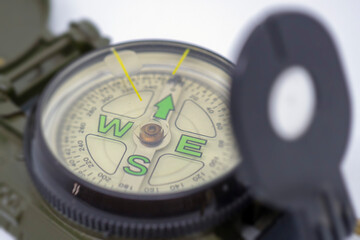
(29, 57)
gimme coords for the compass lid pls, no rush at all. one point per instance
(22, 24)
(301, 175)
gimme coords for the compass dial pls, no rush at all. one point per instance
(177, 137)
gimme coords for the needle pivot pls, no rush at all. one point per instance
(151, 134)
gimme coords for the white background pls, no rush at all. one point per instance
(222, 26)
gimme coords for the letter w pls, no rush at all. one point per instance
(116, 124)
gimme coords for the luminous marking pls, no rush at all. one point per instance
(126, 73)
(116, 124)
(181, 60)
(142, 168)
(188, 145)
(164, 107)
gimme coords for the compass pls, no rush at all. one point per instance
(136, 140)
(139, 139)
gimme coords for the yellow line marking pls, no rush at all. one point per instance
(126, 73)
(181, 60)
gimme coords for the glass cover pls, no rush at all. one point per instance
(168, 132)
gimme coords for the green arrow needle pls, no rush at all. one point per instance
(164, 107)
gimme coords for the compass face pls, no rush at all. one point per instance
(168, 132)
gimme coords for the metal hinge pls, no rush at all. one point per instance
(27, 79)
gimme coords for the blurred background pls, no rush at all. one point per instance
(222, 26)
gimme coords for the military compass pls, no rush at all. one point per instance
(160, 139)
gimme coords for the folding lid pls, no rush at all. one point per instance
(22, 24)
(302, 175)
